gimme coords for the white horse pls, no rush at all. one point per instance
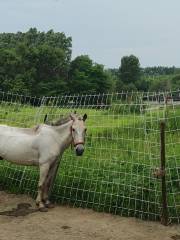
(43, 146)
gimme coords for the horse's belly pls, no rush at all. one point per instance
(22, 158)
(19, 151)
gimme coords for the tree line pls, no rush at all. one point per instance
(39, 63)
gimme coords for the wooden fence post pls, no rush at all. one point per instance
(164, 214)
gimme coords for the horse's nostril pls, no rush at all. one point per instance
(79, 151)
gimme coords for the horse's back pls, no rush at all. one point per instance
(9, 130)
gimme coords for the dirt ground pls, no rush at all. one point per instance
(65, 223)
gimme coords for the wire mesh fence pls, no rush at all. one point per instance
(117, 172)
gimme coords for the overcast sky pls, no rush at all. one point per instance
(106, 30)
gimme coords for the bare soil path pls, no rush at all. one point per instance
(65, 223)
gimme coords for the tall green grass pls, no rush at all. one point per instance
(116, 172)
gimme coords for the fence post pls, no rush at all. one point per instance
(164, 214)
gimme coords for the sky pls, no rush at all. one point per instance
(106, 30)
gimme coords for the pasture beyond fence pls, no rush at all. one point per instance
(121, 169)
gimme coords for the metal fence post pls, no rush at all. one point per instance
(164, 214)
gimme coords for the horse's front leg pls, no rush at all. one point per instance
(49, 182)
(44, 170)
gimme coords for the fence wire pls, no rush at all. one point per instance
(117, 172)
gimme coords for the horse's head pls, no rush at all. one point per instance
(78, 130)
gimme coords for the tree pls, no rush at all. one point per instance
(34, 62)
(175, 82)
(86, 76)
(161, 84)
(79, 72)
(51, 70)
(143, 84)
(129, 70)
(101, 81)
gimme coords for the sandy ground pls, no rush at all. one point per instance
(65, 223)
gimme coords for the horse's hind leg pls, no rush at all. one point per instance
(44, 170)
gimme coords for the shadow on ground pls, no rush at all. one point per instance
(22, 209)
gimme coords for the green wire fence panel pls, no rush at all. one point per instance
(118, 171)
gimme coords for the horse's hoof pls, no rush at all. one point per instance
(43, 209)
(50, 205)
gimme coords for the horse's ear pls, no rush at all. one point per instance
(72, 117)
(84, 117)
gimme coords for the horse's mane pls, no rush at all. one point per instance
(62, 120)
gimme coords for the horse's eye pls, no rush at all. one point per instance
(73, 129)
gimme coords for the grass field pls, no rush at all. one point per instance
(116, 172)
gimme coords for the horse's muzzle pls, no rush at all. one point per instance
(79, 150)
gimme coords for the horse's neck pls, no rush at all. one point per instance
(65, 134)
